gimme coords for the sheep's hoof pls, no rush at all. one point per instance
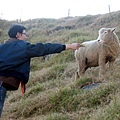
(76, 76)
(102, 79)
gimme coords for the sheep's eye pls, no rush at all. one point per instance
(105, 32)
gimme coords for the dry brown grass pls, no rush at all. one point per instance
(52, 92)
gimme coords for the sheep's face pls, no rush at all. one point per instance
(106, 35)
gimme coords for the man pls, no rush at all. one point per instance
(15, 56)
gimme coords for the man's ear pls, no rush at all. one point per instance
(18, 35)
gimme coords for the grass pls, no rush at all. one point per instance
(52, 92)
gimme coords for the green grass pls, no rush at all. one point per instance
(52, 92)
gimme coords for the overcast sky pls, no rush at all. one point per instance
(30, 9)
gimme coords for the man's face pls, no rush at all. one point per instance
(22, 36)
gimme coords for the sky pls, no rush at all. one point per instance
(32, 9)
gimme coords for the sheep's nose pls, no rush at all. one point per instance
(98, 40)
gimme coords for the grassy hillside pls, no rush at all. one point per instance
(52, 92)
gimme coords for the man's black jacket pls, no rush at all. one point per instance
(15, 56)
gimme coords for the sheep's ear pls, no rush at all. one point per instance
(113, 29)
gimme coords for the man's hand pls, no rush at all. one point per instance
(74, 46)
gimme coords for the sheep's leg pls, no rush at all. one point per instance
(81, 69)
(111, 66)
(102, 72)
(101, 67)
(76, 75)
(77, 72)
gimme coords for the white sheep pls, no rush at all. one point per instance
(98, 52)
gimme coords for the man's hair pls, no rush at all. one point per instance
(12, 32)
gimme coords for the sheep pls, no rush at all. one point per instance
(98, 52)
